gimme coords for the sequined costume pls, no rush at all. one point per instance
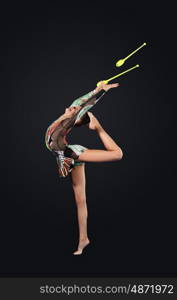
(55, 137)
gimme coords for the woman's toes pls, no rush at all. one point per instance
(81, 247)
(78, 252)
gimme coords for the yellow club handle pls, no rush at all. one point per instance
(120, 74)
(144, 44)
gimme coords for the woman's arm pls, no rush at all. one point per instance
(89, 100)
(81, 100)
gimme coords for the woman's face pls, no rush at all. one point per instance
(70, 111)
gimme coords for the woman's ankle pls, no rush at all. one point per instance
(83, 239)
(99, 129)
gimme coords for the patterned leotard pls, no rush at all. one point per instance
(55, 137)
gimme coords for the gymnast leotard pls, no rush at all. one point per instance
(55, 137)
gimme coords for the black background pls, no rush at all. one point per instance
(51, 54)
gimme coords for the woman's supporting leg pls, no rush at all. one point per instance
(112, 152)
(78, 182)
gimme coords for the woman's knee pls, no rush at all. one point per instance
(118, 154)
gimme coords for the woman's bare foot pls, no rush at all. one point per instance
(82, 245)
(94, 123)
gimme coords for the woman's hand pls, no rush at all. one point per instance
(106, 87)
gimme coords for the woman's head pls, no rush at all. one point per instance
(70, 111)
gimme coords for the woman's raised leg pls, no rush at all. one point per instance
(78, 183)
(112, 152)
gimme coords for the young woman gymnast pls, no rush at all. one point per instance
(70, 158)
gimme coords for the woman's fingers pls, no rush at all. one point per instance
(107, 87)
